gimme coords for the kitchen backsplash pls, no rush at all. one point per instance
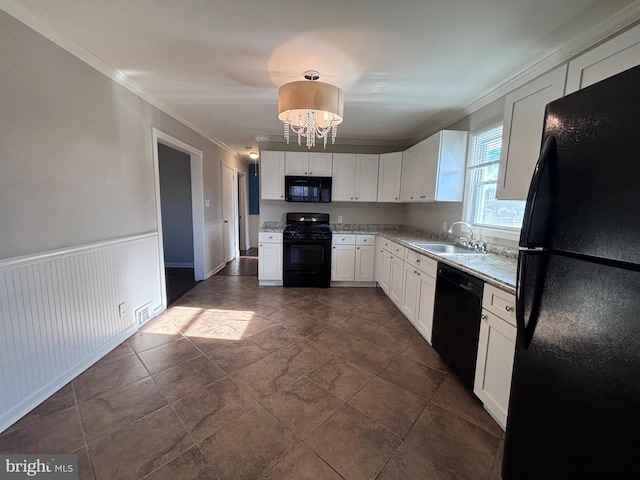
(378, 227)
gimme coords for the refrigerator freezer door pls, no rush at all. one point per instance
(596, 175)
(573, 410)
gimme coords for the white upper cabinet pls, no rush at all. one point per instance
(522, 132)
(355, 178)
(308, 164)
(433, 170)
(344, 169)
(366, 178)
(272, 175)
(389, 177)
(610, 58)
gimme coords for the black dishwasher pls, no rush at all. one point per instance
(456, 321)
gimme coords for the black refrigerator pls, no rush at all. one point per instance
(574, 410)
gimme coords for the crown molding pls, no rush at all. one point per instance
(339, 141)
(47, 30)
(623, 19)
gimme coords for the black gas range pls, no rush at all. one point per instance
(307, 250)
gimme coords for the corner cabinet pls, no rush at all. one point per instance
(433, 170)
(270, 258)
(272, 175)
(522, 132)
(496, 349)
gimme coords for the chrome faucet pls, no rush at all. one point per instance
(462, 239)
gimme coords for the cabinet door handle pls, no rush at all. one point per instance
(396, 198)
(357, 248)
(260, 244)
(417, 260)
(484, 317)
(334, 248)
(509, 308)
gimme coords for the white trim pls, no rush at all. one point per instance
(30, 259)
(197, 204)
(14, 414)
(47, 30)
(503, 233)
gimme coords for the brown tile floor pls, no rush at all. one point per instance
(237, 381)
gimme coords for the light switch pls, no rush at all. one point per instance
(207, 202)
(339, 218)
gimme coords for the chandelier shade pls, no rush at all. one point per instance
(311, 109)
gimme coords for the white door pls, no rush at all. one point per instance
(342, 263)
(365, 257)
(424, 315)
(344, 170)
(396, 285)
(229, 215)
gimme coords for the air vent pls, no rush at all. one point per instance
(142, 314)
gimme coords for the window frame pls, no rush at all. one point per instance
(483, 229)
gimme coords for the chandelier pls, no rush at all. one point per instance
(310, 109)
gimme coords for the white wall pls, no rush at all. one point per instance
(77, 175)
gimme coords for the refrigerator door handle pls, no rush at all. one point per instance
(548, 148)
(527, 297)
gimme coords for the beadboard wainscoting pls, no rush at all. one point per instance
(61, 311)
(214, 251)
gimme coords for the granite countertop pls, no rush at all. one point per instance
(494, 269)
(497, 268)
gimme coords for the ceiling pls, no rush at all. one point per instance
(405, 66)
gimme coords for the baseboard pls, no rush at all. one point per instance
(15, 413)
(353, 284)
(215, 270)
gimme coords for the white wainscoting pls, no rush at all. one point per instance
(213, 247)
(59, 314)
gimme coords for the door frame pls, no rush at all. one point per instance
(243, 211)
(197, 204)
(234, 212)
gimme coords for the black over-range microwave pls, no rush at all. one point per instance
(307, 189)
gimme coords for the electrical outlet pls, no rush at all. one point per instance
(122, 308)
(339, 218)
(444, 226)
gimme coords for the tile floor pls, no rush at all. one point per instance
(237, 381)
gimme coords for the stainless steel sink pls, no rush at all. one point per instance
(445, 249)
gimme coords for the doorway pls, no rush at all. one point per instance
(196, 232)
(177, 221)
(243, 213)
(230, 213)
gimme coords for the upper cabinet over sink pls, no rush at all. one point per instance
(433, 170)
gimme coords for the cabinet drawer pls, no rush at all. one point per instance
(500, 303)
(269, 237)
(398, 250)
(424, 264)
(365, 239)
(343, 239)
(386, 245)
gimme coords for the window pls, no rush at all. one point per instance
(482, 208)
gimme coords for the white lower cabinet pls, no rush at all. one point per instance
(424, 317)
(419, 291)
(353, 258)
(365, 261)
(385, 271)
(496, 348)
(396, 283)
(270, 258)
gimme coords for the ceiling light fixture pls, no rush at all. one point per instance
(311, 109)
(253, 155)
